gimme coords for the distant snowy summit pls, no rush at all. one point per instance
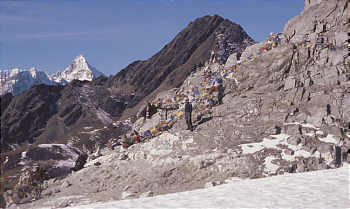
(79, 70)
(16, 80)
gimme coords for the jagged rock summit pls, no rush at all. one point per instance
(174, 62)
(78, 70)
(16, 80)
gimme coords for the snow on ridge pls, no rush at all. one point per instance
(280, 139)
(329, 139)
(17, 80)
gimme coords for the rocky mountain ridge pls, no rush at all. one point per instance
(171, 65)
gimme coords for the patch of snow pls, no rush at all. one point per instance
(309, 134)
(66, 163)
(283, 191)
(319, 132)
(270, 167)
(160, 152)
(308, 125)
(304, 125)
(251, 148)
(50, 145)
(280, 139)
(266, 143)
(329, 139)
(23, 155)
(93, 131)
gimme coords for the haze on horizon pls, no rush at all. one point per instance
(112, 34)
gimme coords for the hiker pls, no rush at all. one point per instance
(221, 90)
(151, 110)
(212, 56)
(188, 114)
(194, 68)
(143, 112)
(148, 110)
(125, 143)
(136, 137)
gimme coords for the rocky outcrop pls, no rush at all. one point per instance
(57, 159)
(26, 115)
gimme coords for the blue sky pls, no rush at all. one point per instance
(111, 34)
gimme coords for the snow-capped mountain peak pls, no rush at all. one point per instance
(79, 70)
(16, 81)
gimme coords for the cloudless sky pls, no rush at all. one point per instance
(49, 34)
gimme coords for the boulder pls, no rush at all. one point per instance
(289, 83)
(293, 140)
(66, 184)
(57, 159)
(232, 60)
(292, 129)
(289, 152)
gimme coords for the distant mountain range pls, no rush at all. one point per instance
(16, 80)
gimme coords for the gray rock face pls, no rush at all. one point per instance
(294, 140)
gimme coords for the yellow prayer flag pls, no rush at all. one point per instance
(178, 114)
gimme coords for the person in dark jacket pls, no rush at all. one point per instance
(188, 114)
(220, 93)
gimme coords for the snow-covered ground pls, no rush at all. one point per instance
(318, 189)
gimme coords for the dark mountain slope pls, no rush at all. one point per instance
(171, 65)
